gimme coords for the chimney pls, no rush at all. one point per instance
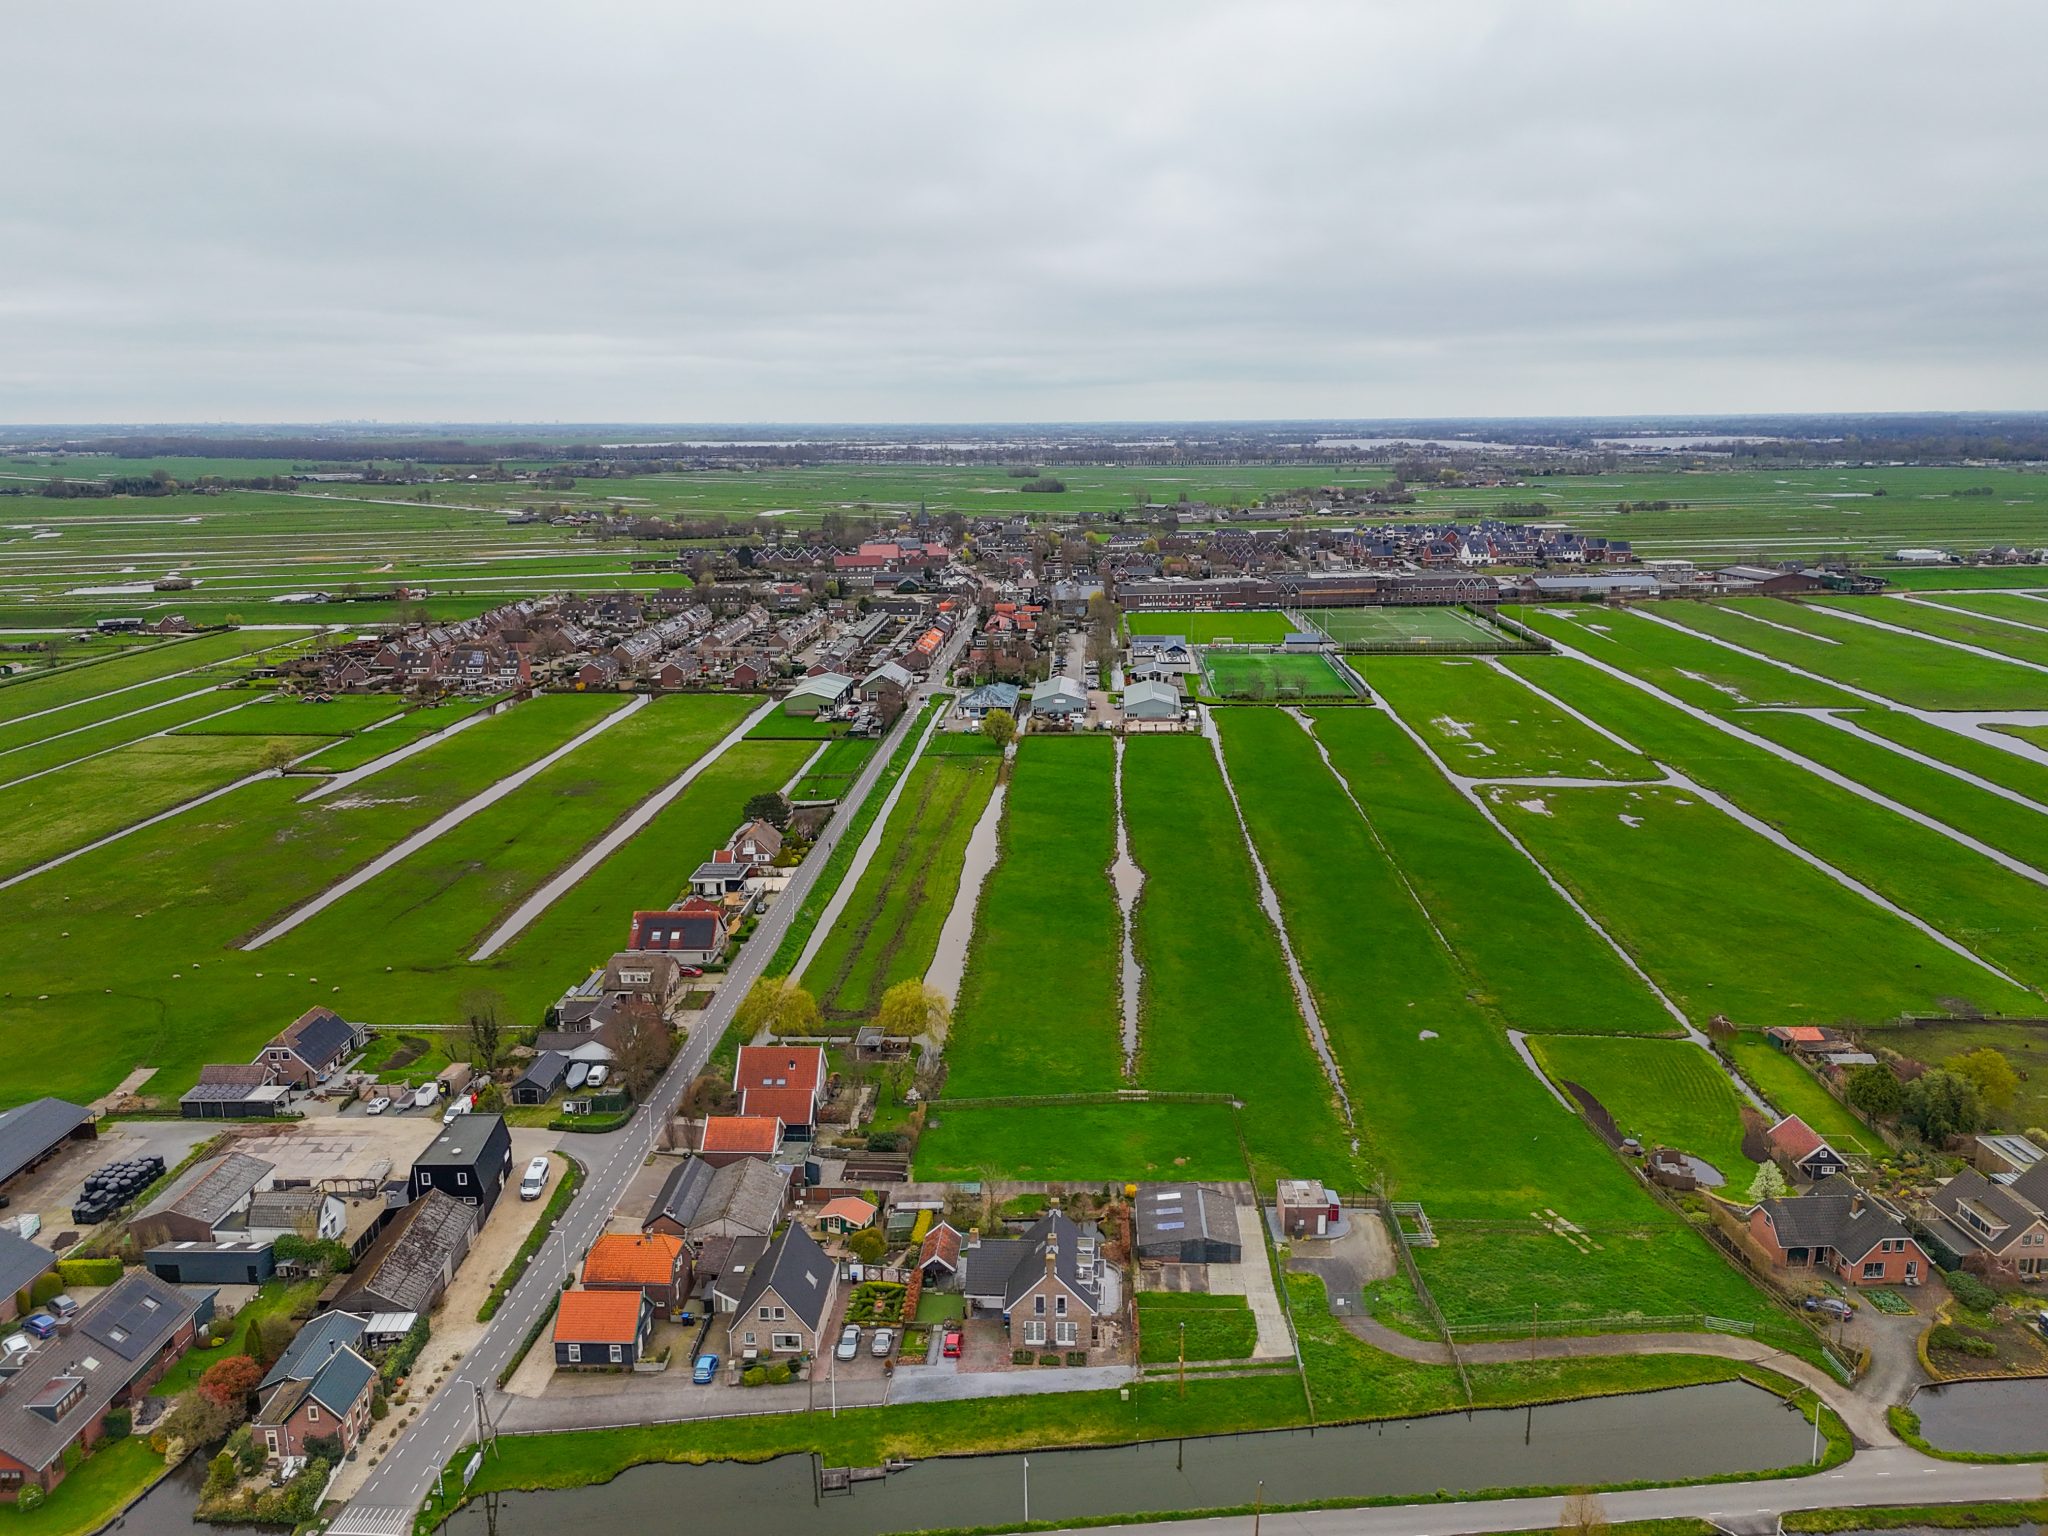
(1856, 1204)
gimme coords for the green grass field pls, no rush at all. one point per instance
(1182, 1325)
(1089, 1143)
(890, 928)
(1047, 919)
(1406, 626)
(1662, 1092)
(72, 689)
(832, 775)
(1792, 1090)
(2026, 1047)
(1247, 626)
(1484, 723)
(1260, 675)
(302, 717)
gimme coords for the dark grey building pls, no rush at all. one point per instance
(1187, 1224)
(468, 1160)
(32, 1132)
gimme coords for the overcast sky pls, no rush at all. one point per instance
(986, 211)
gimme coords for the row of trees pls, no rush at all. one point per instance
(1966, 1093)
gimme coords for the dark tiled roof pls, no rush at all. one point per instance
(29, 1130)
(2000, 1202)
(319, 1036)
(1829, 1217)
(461, 1142)
(1059, 1230)
(799, 1272)
(309, 1349)
(990, 1265)
(1170, 1214)
(20, 1261)
(403, 1270)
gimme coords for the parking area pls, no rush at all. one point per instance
(51, 1190)
(1356, 1253)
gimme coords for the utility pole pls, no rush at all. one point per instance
(1258, 1506)
(1535, 1307)
(1816, 1429)
(1027, 1490)
(1183, 1359)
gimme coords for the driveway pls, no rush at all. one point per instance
(51, 1189)
(1357, 1254)
(927, 1384)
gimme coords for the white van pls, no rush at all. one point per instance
(536, 1179)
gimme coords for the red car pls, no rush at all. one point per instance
(689, 970)
(951, 1347)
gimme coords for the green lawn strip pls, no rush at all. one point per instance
(61, 751)
(368, 745)
(558, 1202)
(781, 727)
(72, 686)
(1199, 921)
(1979, 757)
(1943, 578)
(276, 716)
(1905, 1424)
(1907, 668)
(889, 929)
(1792, 1090)
(1662, 1092)
(1399, 1010)
(1210, 1327)
(1271, 675)
(1405, 626)
(176, 899)
(1485, 724)
(61, 811)
(2005, 605)
(1245, 626)
(1047, 917)
(1086, 1143)
(1685, 664)
(439, 902)
(1959, 891)
(961, 744)
(1524, 949)
(1942, 1517)
(108, 1480)
(60, 731)
(806, 919)
(1948, 624)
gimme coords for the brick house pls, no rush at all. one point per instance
(692, 934)
(1840, 1231)
(311, 1047)
(1804, 1149)
(1995, 1228)
(331, 1404)
(1047, 1285)
(785, 1081)
(783, 1297)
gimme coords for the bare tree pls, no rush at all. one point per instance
(483, 1024)
(643, 1046)
(1582, 1515)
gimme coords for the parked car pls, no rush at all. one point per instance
(885, 1340)
(377, 1105)
(41, 1324)
(689, 970)
(536, 1179)
(454, 1111)
(598, 1073)
(950, 1349)
(849, 1343)
(705, 1371)
(63, 1306)
(1832, 1306)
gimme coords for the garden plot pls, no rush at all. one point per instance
(1484, 723)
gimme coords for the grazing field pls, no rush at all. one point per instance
(74, 687)
(1542, 1216)
(1183, 1325)
(1084, 1142)
(889, 929)
(1662, 1092)
(388, 736)
(1484, 723)
(1523, 950)
(134, 709)
(1949, 621)
(1246, 626)
(832, 775)
(1047, 925)
(1247, 1038)
(776, 726)
(1261, 675)
(1439, 627)
(300, 717)
(1678, 660)
(74, 744)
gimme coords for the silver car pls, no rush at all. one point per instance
(884, 1341)
(849, 1343)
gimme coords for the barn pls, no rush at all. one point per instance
(1187, 1224)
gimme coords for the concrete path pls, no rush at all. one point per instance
(412, 748)
(921, 1385)
(628, 826)
(440, 826)
(131, 741)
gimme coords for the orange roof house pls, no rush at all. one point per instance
(602, 1328)
(728, 1138)
(848, 1213)
(652, 1263)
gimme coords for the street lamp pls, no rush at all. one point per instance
(1027, 1490)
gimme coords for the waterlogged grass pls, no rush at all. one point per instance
(1523, 949)
(1047, 928)
(1662, 1092)
(1482, 722)
(889, 928)
(1199, 920)
(74, 686)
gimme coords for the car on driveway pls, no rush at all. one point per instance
(885, 1340)
(377, 1106)
(849, 1343)
(1833, 1306)
(951, 1348)
(705, 1371)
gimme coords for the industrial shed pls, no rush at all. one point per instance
(1187, 1224)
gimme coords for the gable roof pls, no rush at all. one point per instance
(313, 1344)
(792, 1106)
(798, 1271)
(1797, 1140)
(1999, 1207)
(1170, 1213)
(340, 1381)
(1837, 1215)
(208, 1191)
(1061, 1234)
(780, 1066)
(741, 1133)
(686, 927)
(748, 1194)
(941, 1246)
(21, 1261)
(849, 1208)
(29, 1130)
(599, 1317)
(404, 1266)
(545, 1071)
(317, 1036)
(633, 1258)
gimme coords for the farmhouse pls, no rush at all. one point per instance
(468, 1161)
(786, 1297)
(1047, 1284)
(1996, 1228)
(787, 1082)
(312, 1047)
(331, 1404)
(235, 1090)
(1187, 1224)
(756, 841)
(313, 1345)
(602, 1329)
(32, 1133)
(22, 1263)
(644, 975)
(1841, 1231)
(699, 1201)
(1800, 1145)
(652, 1263)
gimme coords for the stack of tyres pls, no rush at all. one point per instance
(113, 1187)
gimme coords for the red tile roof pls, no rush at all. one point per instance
(850, 1209)
(598, 1317)
(780, 1066)
(1794, 1137)
(627, 1258)
(792, 1106)
(941, 1246)
(742, 1133)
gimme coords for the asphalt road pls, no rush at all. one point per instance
(386, 1503)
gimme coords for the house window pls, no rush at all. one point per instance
(1034, 1333)
(312, 1413)
(1060, 1306)
(764, 1314)
(575, 1354)
(1874, 1270)
(1068, 1333)
(1038, 1306)
(270, 1439)
(748, 1340)
(788, 1343)
(618, 1354)
(462, 1180)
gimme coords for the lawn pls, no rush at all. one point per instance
(1177, 1325)
(889, 928)
(1673, 657)
(1210, 627)
(1247, 1038)
(1390, 626)
(110, 1479)
(836, 768)
(1260, 675)
(1470, 1131)
(2025, 1046)
(777, 726)
(1947, 622)
(1792, 1090)
(1047, 919)
(1662, 1092)
(1484, 723)
(1086, 1143)
(273, 715)
(73, 744)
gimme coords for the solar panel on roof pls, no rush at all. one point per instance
(1171, 1226)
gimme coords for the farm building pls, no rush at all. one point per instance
(235, 1090)
(468, 1160)
(312, 1046)
(817, 695)
(1800, 1145)
(699, 1201)
(233, 1261)
(1149, 702)
(409, 1266)
(1059, 698)
(32, 1133)
(1841, 1231)
(1187, 1224)
(204, 1200)
(1306, 1208)
(22, 1263)
(1047, 1284)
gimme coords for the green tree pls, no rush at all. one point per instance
(1874, 1090)
(1986, 1068)
(914, 1011)
(868, 1245)
(1769, 1183)
(999, 726)
(483, 1025)
(777, 1006)
(768, 806)
(1941, 1104)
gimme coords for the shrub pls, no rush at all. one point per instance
(318, 1255)
(1077, 1357)
(43, 1287)
(753, 1376)
(30, 1498)
(243, 1447)
(1950, 1339)
(1020, 1357)
(229, 1382)
(885, 1141)
(405, 1351)
(324, 1447)
(868, 1245)
(119, 1423)
(88, 1271)
(220, 1475)
(1972, 1292)
(1048, 1359)
(779, 1373)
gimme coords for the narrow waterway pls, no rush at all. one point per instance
(1675, 1436)
(984, 845)
(1129, 880)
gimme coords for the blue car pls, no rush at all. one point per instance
(706, 1369)
(41, 1324)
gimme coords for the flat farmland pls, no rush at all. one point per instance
(1542, 1216)
(1949, 621)
(1677, 659)
(77, 686)
(1793, 1090)
(1093, 1143)
(1524, 952)
(1247, 626)
(1247, 1037)
(1047, 926)
(1485, 724)
(1662, 1092)
(889, 929)
(282, 716)
(832, 775)
(387, 736)
(131, 709)
(1264, 675)
(75, 744)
